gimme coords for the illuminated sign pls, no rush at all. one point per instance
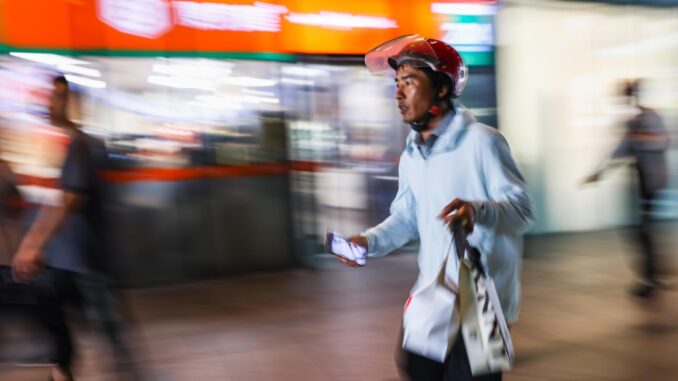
(145, 18)
(259, 17)
(487, 9)
(472, 33)
(341, 20)
(152, 18)
(196, 27)
(469, 27)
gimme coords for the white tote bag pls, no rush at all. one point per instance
(428, 323)
(483, 326)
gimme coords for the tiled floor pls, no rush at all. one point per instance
(577, 321)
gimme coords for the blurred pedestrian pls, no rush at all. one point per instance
(76, 271)
(11, 208)
(12, 294)
(454, 172)
(645, 142)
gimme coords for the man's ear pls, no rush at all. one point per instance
(444, 91)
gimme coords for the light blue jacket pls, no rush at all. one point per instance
(469, 161)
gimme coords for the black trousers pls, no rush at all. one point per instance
(455, 368)
(53, 288)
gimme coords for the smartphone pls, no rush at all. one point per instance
(339, 246)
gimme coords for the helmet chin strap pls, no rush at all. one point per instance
(431, 113)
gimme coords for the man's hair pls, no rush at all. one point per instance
(438, 80)
(61, 80)
(631, 87)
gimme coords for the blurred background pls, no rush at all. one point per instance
(226, 121)
(240, 131)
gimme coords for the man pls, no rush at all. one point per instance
(454, 172)
(646, 141)
(76, 268)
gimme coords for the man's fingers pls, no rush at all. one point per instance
(461, 215)
(460, 220)
(21, 273)
(449, 208)
(347, 262)
(359, 241)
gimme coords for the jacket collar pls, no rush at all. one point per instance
(457, 125)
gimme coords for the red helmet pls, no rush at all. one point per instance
(428, 52)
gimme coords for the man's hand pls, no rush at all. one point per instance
(358, 240)
(28, 258)
(594, 178)
(459, 214)
(27, 262)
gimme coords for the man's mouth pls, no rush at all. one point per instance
(402, 108)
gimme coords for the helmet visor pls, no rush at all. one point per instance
(385, 58)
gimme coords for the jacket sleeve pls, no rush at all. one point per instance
(509, 207)
(397, 229)
(623, 149)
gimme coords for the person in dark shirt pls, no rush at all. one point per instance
(645, 141)
(75, 266)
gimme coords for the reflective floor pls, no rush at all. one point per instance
(577, 321)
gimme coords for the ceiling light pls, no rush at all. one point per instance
(87, 82)
(195, 70)
(79, 70)
(248, 81)
(304, 71)
(182, 82)
(47, 58)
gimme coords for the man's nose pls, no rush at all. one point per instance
(399, 94)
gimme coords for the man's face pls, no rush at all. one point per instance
(414, 93)
(57, 101)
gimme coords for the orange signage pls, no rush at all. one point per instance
(278, 26)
